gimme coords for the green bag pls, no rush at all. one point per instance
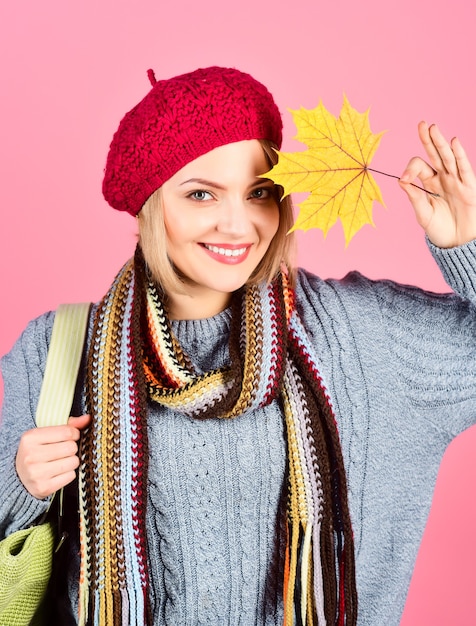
(26, 556)
(26, 559)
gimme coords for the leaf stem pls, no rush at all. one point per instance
(435, 195)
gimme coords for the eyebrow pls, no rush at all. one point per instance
(208, 183)
(201, 181)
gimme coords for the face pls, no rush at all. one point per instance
(220, 219)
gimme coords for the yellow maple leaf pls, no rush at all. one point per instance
(334, 169)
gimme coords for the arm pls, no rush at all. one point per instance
(33, 462)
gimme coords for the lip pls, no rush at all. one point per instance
(227, 253)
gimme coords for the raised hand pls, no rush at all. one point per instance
(448, 213)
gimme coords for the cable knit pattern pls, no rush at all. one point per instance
(383, 354)
(215, 560)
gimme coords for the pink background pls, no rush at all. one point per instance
(69, 72)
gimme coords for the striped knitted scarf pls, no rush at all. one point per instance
(135, 357)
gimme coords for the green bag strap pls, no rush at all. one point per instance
(62, 364)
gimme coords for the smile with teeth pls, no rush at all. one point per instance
(228, 252)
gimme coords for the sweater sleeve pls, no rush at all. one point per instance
(413, 346)
(458, 266)
(431, 340)
(22, 370)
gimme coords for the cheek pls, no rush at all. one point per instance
(177, 228)
(185, 226)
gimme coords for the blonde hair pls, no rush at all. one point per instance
(153, 240)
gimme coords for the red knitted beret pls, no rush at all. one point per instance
(179, 120)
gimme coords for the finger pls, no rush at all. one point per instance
(444, 150)
(430, 148)
(44, 471)
(58, 482)
(43, 444)
(465, 170)
(47, 435)
(59, 467)
(417, 168)
(34, 458)
(415, 194)
(51, 434)
(421, 205)
(42, 488)
(52, 451)
(80, 422)
(42, 478)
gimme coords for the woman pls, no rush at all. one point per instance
(256, 444)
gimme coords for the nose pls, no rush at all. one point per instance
(233, 218)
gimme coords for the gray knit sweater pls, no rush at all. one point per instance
(400, 367)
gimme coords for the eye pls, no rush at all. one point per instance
(200, 195)
(262, 193)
